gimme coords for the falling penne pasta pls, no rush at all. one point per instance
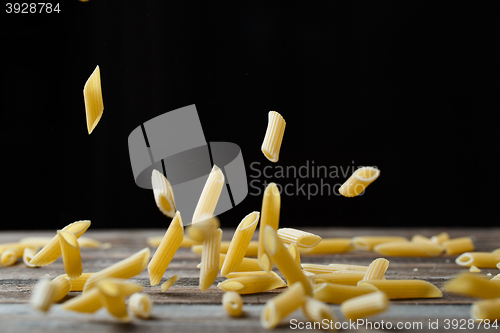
(28, 254)
(473, 285)
(203, 229)
(486, 309)
(274, 136)
(140, 305)
(376, 270)
(42, 295)
(165, 252)
(318, 311)
(61, 287)
(322, 269)
(359, 181)
(458, 245)
(246, 265)
(349, 277)
(329, 246)
(366, 243)
(92, 95)
(338, 293)
(114, 303)
(210, 195)
(232, 303)
(365, 305)
(277, 308)
(294, 252)
(408, 249)
(478, 259)
(210, 257)
(404, 288)
(300, 238)
(88, 302)
(78, 283)
(70, 249)
(167, 284)
(9, 257)
(239, 244)
(252, 284)
(440, 238)
(163, 194)
(86, 242)
(270, 216)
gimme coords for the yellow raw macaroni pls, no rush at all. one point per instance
(88, 302)
(349, 277)
(376, 270)
(420, 238)
(329, 246)
(28, 254)
(251, 284)
(210, 195)
(478, 259)
(441, 238)
(338, 293)
(86, 242)
(458, 245)
(271, 205)
(294, 252)
(42, 295)
(70, 249)
(140, 305)
(203, 229)
(300, 238)
(317, 311)
(9, 257)
(473, 285)
(169, 283)
(78, 283)
(322, 269)
(210, 257)
(186, 242)
(274, 136)
(487, 309)
(163, 194)
(92, 95)
(365, 305)
(62, 286)
(404, 288)
(277, 308)
(359, 181)
(366, 243)
(232, 303)
(409, 249)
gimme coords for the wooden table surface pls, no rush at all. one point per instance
(183, 308)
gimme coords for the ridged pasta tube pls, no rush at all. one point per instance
(365, 305)
(210, 257)
(163, 194)
(232, 303)
(210, 195)
(301, 238)
(478, 259)
(140, 305)
(404, 288)
(277, 308)
(270, 216)
(359, 181)
(70, 249)
(274, 136)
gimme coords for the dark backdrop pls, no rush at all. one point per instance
(408, 86)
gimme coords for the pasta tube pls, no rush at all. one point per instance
(277, 308)
(338, 293)
(233, 275)
(279, 254)
(78, 283)
(405, 288)
(377, 269)
(92, 95)
(487, 309)
(203, 229)
(420, 238)
(86, 242)
(441, 238)
(458, 245)
(115, 305)
(251, 251)
(17, 248)
(62, 287)
(165, 252)
(274, 136)
(239, 244)
(359, 181)
(35, 242)
(349, 277)
(317, 311)
(125, 269)
(496, 278)
(43, 295)
(271, 205)
(70, 249)
(210, 258)
(232, 303)
(366, 243)
(28, 254)
(169, 283)
(409, 249)
(52, 250)
(9, 257)
(365, 305)
(210, 195)
(322, 269)
(294, 252)
(88, 302)
(163, 194)
(140, 305)
(252, 284)
(329, 246)
(478, 259)
(300, 238)
(473, 285)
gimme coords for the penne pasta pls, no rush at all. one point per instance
(300, 238)
(338, 293)
(210, 258)
(52, 250)
(86, 242)
(169, 283)
(271, 205)
(329, 246)
(274, 136)
(366, 243)
(210, 195)
(486, 309)
(115, 304)
(61, 287)
(163, 194)
(277, 308)
(92, 95)
(322, 269)
(186, 242)
(28, 254)
(318, 311)
(70, 249)
(365, 305)
(203, 229)
(294, 252)
(140, 305)
(359, 181)
(166, 250)
(420, 238)
(441, 238)
(239, 244)
(288, 267)
(125, 269)
(78, 283)
(349, 277)
(35, 242)
(252, 284)
(458, 245)
(233, 275)
(43, 294)
(478, 259)
(232, 303)
(9, 257)
(88, 302)
(409, 249)
(404, 288)
(473, 285)
(377, 269)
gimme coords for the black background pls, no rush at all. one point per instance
(407, 86)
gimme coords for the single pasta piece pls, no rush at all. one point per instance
(404, 288)
(86, 242)
(252, 284)
(300, 238)
(271, 205)
(317, 311)
(441, 238)
(232, 303)
(486, 309)
(366, 243)
(239, 244)
(329, 246)
(409, 249)
(203, 229)
(112, 300)
(294, 252)
(78, 283)
(359, 181)
(478, 259)
(458, 245)
(474, 269)
(322, 269)
(70, 249)
(125, 269)
(28, 254)
(251, 251)
(274, 136)
(35, 242)
(163, 193)
(419, 238)
(377, 269)
(169, 283)
(140, 305)
(62, 286)
(210, 195)
(42, 295)
(18, 248)
(473, 285)
(338, 293)
(52, 250)
(88, 302)
(279, 254)
(349, 277)
(165, 252)
(92, 95)
(365, 305)
(210, 257)
(277, 308)
(9, 257)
